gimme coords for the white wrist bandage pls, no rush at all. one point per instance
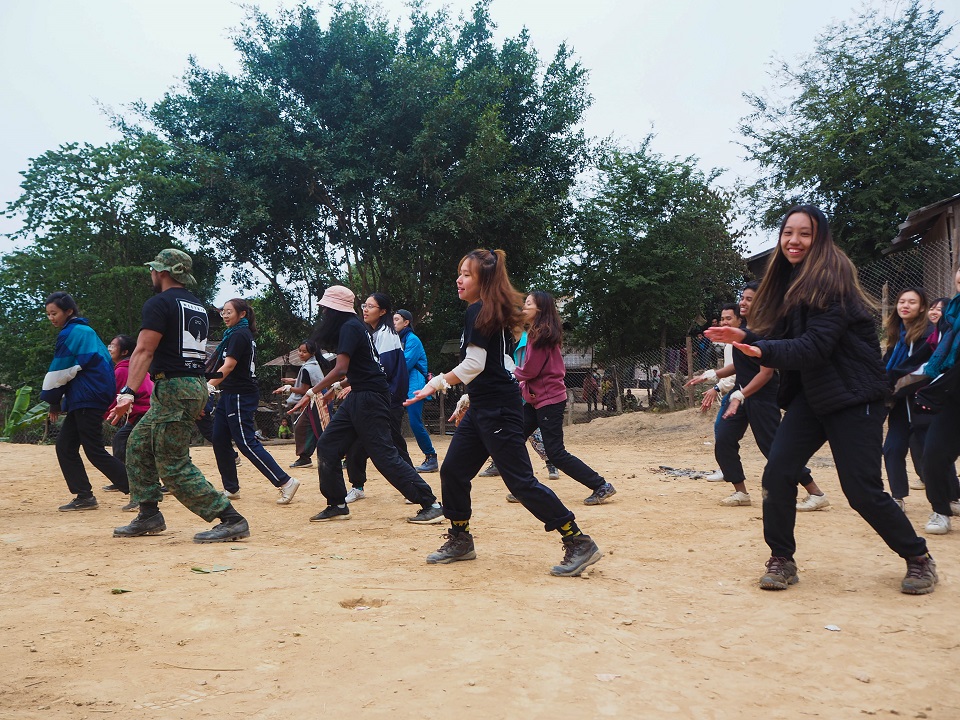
(439, 383)
(310, 392)
(710, 376)
(125, 397)
(738, 395)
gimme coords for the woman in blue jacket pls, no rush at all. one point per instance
(416, 360)
(80, 383)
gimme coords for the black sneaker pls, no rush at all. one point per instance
(429, 465)
(332, 512)
(77, 503)
(458, 546)
(428, 516)
(141, 525)
(111, 488)
(604, 492)
(491, 471)
(164, 489)
(224, 532)
(131, 506)
(302, 462)
(780, 573)
(921, 576)
(579, 552)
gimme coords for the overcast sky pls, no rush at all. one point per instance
(676, 68)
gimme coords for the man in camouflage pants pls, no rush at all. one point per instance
(172, 344)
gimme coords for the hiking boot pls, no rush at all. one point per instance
(458, 546)
(142, 525)
(579, 552)
(287, 491)
(302, 462)
(232, 494)
(332, 512)
(132, 506)
(921, 576)
(224, 532)
(715, 476)
(780, 573)
(111, 488)
(552, 472)
(937, 524)
(738, 498)
(512, 498)
(813, 502)
(491, 471)
(604, 492)
(430, 515)
(429, 464)
(78, 503)
(355, 494)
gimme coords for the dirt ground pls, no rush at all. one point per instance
(346, 620)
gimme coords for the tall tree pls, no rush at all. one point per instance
(89, 233)
(867, 126)
(652, 252)
(357, 153)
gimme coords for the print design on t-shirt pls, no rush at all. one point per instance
(195, 327)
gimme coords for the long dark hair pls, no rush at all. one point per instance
(64, 301)
(327, 334)
(546, 330)
(825, 276)
(242, 306)
(125, 345)
(501, 301)
(915, 328)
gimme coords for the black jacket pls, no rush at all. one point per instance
(832, 356)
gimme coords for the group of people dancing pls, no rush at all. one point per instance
(802, 340)
(163, 383)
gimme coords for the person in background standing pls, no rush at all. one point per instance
(416, 361)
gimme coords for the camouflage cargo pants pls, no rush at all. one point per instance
(159, 449)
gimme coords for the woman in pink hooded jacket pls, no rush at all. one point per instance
(541, 382)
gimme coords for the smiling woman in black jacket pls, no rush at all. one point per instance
(819, 330)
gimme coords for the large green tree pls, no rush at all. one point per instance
(361, 154)
(87, 231)
(652, 252)
(867, 126)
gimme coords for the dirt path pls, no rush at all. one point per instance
(346, 620)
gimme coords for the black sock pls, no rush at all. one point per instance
(85, 496)
(149, 509)
(459, 526)
(569, 529)
(230, 515)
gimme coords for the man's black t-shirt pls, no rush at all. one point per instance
(364, 373)
(182, 320)
(747, 368)
(495, 384)
(242, 348)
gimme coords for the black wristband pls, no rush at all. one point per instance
(127, 390)
(716, 388)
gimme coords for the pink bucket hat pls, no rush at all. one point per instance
(338, 297)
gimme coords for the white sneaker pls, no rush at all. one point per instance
(813, 502)
(900, 504)
(714, 477)
(738, 498)
(287, 491)
(355, 494)
(955, 507)
(917, 484)
(938, 524)
(231, 496)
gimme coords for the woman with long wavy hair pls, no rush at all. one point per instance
(493, 425)
(813, 322)
(906, 329)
